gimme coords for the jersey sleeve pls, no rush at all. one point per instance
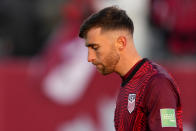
(161, 104)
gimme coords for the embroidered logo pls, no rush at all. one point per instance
(168, 117)
(131, 102)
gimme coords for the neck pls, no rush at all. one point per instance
(126, 63)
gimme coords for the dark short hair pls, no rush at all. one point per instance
(110, 18)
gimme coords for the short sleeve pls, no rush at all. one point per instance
(161, 95)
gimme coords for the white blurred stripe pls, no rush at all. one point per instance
(68, 81)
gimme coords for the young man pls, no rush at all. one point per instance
(148, 98)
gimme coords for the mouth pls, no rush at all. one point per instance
(95, 64)
(98, 66)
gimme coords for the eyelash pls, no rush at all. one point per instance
(94, 47)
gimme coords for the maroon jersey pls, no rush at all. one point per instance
(148, 100)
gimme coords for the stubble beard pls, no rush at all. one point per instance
(109, 63)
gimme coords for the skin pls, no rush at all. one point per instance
(111, 51)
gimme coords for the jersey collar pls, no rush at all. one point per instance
(132, 71)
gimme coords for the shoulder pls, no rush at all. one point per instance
(162, 91)
(161, 83)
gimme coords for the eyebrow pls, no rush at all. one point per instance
(90, 44)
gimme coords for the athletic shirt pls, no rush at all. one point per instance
(148, 100)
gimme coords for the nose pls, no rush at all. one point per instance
(91, 56)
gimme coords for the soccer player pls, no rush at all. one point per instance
(148, 98)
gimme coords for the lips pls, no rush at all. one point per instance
(98, 66)
(95, 64)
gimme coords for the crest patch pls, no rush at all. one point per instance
(131, 102)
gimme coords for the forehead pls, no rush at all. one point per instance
(97, 35)
(93, 33)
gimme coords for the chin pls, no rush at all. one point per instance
(105, 73)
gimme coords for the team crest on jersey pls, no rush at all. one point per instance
(131, 102)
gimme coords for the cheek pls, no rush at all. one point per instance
(98, 55)
(102, 54)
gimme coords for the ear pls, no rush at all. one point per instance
(121, 43)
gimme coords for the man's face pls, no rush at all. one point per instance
(102, 51)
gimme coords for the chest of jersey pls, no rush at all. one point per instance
(130, 113)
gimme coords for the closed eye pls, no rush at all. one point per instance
(94, 47)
